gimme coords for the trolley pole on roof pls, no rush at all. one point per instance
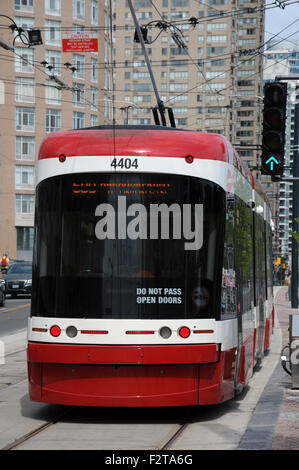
(160, 103)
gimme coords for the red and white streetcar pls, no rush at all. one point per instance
(152, 269)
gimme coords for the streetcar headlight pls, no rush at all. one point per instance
(165, 332)
(71, 331)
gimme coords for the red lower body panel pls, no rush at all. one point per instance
(267, 334)
(206, 376)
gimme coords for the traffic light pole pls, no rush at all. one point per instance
(295, 214)
(295, 209)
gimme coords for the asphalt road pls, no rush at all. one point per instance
(14, 316)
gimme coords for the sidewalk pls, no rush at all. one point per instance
(275, 422)
(286, 436)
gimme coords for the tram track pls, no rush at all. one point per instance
(164, 444)
(170, 439)
(26, 437)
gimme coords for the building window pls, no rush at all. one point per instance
(24, 5)
(78, 94)
(53, 7)
(25, 237)
(78, 120)
(178, 98)
(25, 148)
(178, 86)
(53, 59)
(181, 121)
(214, 74)
(24, 177)
(178, 51)
(79, 9)
(25, 119)
(24, 203)
(215, 86)
(140, 76)
(78, 29)
(216, 26)
(213, 122)
(53, 120)
(94, 12)
(217, 2)
(216, 38)
(24, 60)
(142, 87)
(53, 94)
(142, 98)
(178, 75)
(78, 62)
(93, 120)
(180, 110)
(24, 89)
(141, 122)
(144, 15)
(53, 33)
(94, 70)
(179, 15)
(93, 98)
(216, 50)
(142, 4)
(179, 3)
(247, 42)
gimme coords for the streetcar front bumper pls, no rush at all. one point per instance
(84, 375)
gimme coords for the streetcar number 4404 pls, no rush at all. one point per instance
(126, 163)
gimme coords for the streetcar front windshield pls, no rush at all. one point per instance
(127, 245)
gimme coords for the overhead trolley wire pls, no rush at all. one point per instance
(222, 14)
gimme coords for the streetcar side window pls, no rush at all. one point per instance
(244, 255)
(228, 291)
(260, 268)
(269, 257)
(237, 278)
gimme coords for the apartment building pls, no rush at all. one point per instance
(44, 89)
(213, 84)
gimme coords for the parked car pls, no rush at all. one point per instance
(2, 292)
(18, 279)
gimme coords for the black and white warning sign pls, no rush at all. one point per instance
(159, 295)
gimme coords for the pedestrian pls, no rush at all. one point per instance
(4, 263)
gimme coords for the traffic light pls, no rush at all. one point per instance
(274, 121)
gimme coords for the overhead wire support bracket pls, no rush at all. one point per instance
(160, 103)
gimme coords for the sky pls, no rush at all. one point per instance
(276, 19)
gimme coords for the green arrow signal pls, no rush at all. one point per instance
(272, 160)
